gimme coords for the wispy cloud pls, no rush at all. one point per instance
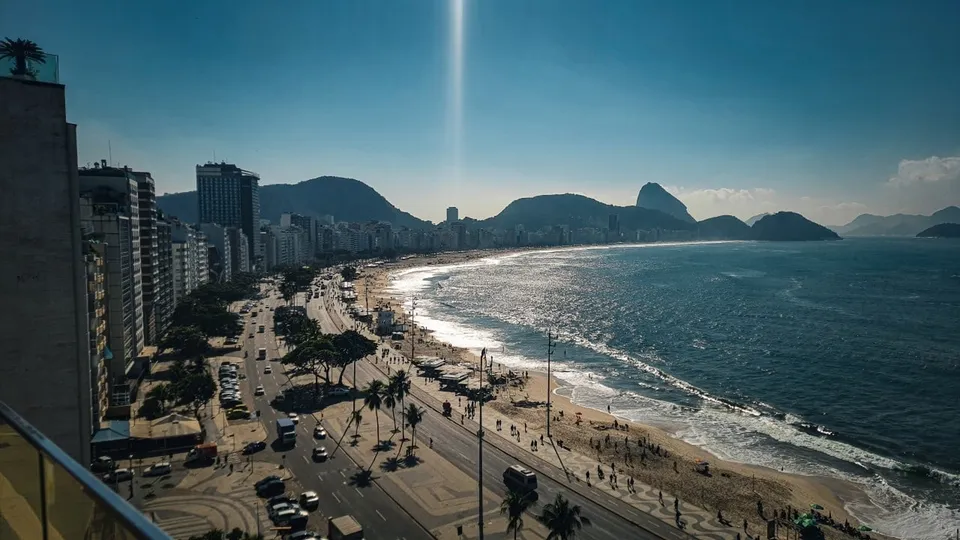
(930, 170)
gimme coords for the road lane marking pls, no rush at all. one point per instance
(305, 459)
(358, 491)
(343, 475)
(381, 515)
(337, 498)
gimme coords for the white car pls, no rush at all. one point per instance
(158, 469)
(338, 391)
(319, 433)
(267, 370)
(320, 454)
(119, 475)
(258, 391)
(293, 416)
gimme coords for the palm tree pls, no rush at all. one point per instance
(23, 52)
(515, 504)
(356, 416)
(390, 401)
(562, 519)
(374, 400)
(401, 387)
(414, 415)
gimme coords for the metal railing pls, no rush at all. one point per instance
(45, 494)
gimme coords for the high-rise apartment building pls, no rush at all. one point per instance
(309, 225)
(96, 270)
(108, 201)
(230, 196)
(239, 254)
(219, 259)
(184, 254)
(164, 290)
(45, 373)
(149, 264)
(453, 214)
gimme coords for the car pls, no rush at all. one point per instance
(294, 417)
(319, 433)
(271, 488)
(158, 469)
(258, 391)
(278, 499)
(254, 447)
(238, 414)
(102, 464)
(309, 499)
(267, 480)
(268, 369)
(303, 535)
(296, 518)
(250, 335)
(320, 454)
(119, 475)
(338, 391)
(274, 509)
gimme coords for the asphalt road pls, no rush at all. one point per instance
(459, 446)
(379, 515)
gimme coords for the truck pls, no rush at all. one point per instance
(286, 431)
(260, 329)
(344, 528)
(262, 354)
(202, 454)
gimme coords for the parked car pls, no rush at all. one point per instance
(118, 475)
(320, 454)
(338, 391)
(269, 489)
(266, 479)
(254, 447)
(319, 433)
(103, 464)
(303, 535)
(158, 469)
(274, 509)
(309, 500)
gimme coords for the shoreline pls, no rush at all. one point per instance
(742, 484)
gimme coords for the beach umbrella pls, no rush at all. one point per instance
(864, 528)
(816, 506)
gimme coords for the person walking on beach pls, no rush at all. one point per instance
(660, 496)
(676, 505)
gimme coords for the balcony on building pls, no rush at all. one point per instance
(47, 71)
(44, 493)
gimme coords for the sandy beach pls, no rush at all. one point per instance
(655, 457)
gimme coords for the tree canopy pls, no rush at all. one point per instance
(186, 341)
(349, 273)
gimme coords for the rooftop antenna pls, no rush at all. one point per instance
(110, 152)
(214, 156)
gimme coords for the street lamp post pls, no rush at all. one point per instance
(483, 357)
(550, 346)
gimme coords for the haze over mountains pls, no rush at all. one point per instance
(351, 200)
(897, 224)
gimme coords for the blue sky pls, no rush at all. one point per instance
(829, 108)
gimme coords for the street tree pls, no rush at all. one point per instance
(514, 505)
(374, 400)
(400, 384)
(316, 356)
(186, 341)
(352, 346)
(562, 519)
(349, 273)
(390, 402)
(197, 390)
(413, 416)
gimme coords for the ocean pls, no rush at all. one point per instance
(837, 359)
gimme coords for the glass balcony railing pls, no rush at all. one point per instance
(44, 493)
(46, 71)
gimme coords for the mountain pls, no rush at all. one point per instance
(578, 211)
(654, 197)
(724, 228)
(790, 226)
(345, 199)
(943, 230)
(756, 218)
(898, 224)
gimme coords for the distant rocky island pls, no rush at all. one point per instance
(943, 230)
(790, 226)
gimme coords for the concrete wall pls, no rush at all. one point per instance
(45, 373)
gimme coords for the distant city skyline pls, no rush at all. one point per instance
(825, 109)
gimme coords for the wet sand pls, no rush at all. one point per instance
(732, 487)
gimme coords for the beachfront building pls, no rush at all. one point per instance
(230, 197)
